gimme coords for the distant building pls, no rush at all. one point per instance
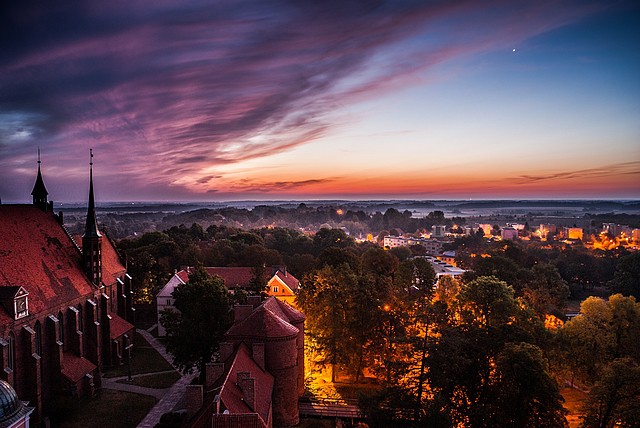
(439, 231)
(486, 228)
(442, 268)
(278, 282)
(547, 229)
(448, 257)
(260, 374)
(635, 235)
(432, 246)
(509, 233)
(573, 233)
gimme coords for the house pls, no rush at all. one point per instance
(260, 373)
(278, 282)
(65, 304)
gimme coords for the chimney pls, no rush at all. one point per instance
(258, 354)
(60, 217)
(213, 372)
(241, 312)
(194, 398)
(226, 349)
(254, 300)
(247, 386)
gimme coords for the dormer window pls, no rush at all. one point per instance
(21, 307)
(15, 300)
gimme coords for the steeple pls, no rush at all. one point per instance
(92, 238)
(91, 226)
(39, 191)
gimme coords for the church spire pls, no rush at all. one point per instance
(91, 226)
(92, 239)
(39, 191)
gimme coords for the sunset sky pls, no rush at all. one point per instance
(230, 99)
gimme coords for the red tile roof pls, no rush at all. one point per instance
(74, 368)
(231, 394)
(263, 323)
(291, 281)
(119, 327)
(283, 310)
(112, 266)
(38, 254)
(234, 277)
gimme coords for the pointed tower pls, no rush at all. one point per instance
(92, 238)
(39, 191)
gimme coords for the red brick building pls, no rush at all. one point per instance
(65, 303)
(260, 375)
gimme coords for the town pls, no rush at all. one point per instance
(280, 327)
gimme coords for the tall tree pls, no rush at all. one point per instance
(195, 330)
(613, 400)
(626, 279)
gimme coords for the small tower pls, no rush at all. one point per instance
(39, 191)
(92, 238)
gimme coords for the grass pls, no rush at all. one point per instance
(144, 359)
(109, 408)
(316, 423)
(154, 380)
(573, 402)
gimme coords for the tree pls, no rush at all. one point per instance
(324, 298)
(527, 395)
(604, 331)
(613, 400)
(545, 290)
(194, 331)
(626, 278)
(483, 355)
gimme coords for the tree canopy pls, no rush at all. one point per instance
(195, 330)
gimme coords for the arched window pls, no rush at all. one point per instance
(12, 352)
(60, 327)
(38, 330)
(80, 319)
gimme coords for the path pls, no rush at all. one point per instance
(168, 397)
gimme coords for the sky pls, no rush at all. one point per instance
(223, 100)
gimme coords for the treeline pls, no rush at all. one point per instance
(356, 222)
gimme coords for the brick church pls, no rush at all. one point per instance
(65, 302)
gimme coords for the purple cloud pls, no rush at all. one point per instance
(163, 89)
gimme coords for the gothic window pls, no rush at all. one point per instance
(80, 319)
(38, 330)
(60, 327)
(12, 351)
(275, 289)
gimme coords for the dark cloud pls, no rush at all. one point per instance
(278, 186)
(625, 168)
(166, 88)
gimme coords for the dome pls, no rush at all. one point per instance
(9, 402)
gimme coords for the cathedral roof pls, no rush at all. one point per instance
(112, 267)
(37, 253)
(91, 225)
(39, 189)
